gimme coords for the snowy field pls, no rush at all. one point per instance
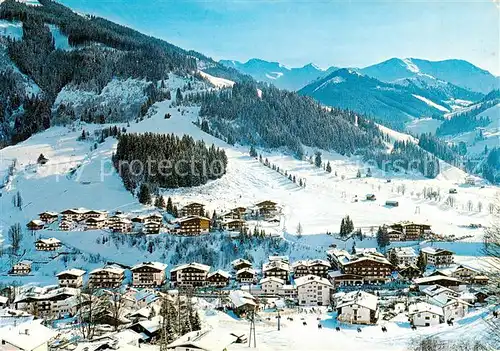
(296, 336)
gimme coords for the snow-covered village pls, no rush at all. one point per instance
(154, 198)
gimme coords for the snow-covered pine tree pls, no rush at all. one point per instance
(144, 194)
(170, 206)
(421, 264)
(253, 152)
(160, 201)
(317, 159)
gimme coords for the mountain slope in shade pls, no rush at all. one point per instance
(458, 72)
(278, 74)
(391, 103)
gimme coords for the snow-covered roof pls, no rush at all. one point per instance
(37, 222)
(206, 340)
(196, 204)
(196, 265)
(47, 293)
(156, 265)
(435, 278)
(300, 263)
(246, 270)
(435, 251)
(188, 218)
(240, 298)
(309, 263)
(232, 220)
(420, 307)
(312, 279)
(127, 336)
(434, 290)
(111, 269)
(467, 268)
(360, 298)
(100, 212)
(405, 252)
(240, 261)
(467, 296)
(368, 258)
(283, 258)
(275, 264)
(79, 210)
(49, 213)
(72, 271)
(49, 241)
(153, 215)
(319, 262)
(271, 279)
(151, 325)
(28, 336)
(101, 218)
(444, 300)
(221, 272)
(342, 256)
(365, 250)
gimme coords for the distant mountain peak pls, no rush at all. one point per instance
(456, 71)
(278, 74)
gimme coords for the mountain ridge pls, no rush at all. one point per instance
(282, 76)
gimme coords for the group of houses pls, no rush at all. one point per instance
(193, 220)
(365, 266)
(408, 231)
(344, 283)
(84, 219)
(139, 321)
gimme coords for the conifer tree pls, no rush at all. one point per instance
(178, 96)
(382, 238)
(144, 194)
(170, 206)
(317, 159)
(299, 230)
(253, 152)
(421, 264)
(393, 258)
(328, 167)
(160, 202)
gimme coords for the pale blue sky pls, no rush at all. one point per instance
(339, 33)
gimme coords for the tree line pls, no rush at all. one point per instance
(102, 50)
(405, 157)
(261, 115)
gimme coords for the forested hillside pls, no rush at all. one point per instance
(266, 116)
(467, 120)
(440, 149)
(491, 167)
(101, 51)
(391, 104)
(405, 157)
